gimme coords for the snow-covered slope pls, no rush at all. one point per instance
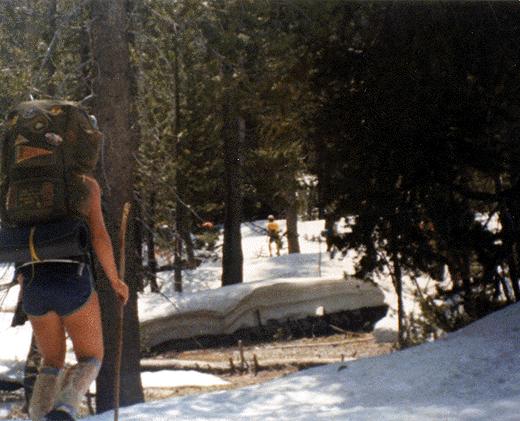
(226, 310)
(203, 297)
(279, 287)
(472, 374)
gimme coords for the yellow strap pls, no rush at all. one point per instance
(32, 248)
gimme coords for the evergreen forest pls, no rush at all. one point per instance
(401, 117)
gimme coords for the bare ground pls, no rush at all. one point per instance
(274, 359)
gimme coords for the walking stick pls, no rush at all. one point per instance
(120, 308)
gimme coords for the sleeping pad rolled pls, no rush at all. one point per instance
(55, 240)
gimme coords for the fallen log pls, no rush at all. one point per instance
(348, 304)
(9, 385)
(218, 367)
(322, 344)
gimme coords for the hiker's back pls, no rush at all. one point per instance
(273, 229)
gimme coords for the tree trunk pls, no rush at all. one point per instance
(188, 242)
(85, 88)
(150, 244)
(32, 365)
(293, 245)
(398, 286)
(179, 179)
(232, 131)
(323, 186)
(513, 272)
(509, 235)
(112, 88)
(177, 260)
(49, 35)
(509, 245)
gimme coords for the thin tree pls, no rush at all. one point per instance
(112, 88)
(179, 179)
(233, 127)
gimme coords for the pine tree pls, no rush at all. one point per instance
(111, 55)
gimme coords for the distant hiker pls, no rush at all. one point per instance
(273, 232)
(207, 225)
(51, 206)
(330, 232)
(207, 236)
(336, 241)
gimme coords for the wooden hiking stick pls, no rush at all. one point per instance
(120, 309)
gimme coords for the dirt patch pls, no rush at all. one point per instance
(290, 356)
(333, 347)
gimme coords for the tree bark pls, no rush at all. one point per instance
(293, 245)
(32, 365)
(188, 242)
(232, 131)
(51, 30)
(112, 88)
(509, 245)
(507, 221)
(397, 279)
(150, 243)
(179, 179)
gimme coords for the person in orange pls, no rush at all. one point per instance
(59, 297)
(273, 232)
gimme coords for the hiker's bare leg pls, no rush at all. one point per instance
(85, 331)
(50, 338)
(269, 245)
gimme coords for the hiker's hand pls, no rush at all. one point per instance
(121, 290)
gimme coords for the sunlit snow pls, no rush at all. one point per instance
(472, 374)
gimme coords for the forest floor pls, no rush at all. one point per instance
(273, 360)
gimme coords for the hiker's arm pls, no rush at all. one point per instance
(102, 243)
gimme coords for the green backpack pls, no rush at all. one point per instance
(47, 147)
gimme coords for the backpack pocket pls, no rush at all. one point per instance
(35, 200)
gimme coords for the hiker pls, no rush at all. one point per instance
(273, 232)
(336, 241)
(330, 233)
(58, 293)
(74, 308)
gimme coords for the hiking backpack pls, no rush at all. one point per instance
(47, 148)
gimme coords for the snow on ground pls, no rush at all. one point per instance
(169, 378)
(259, 269)
(175, 378)
(14, 345)
(258, 266)
(472, 374)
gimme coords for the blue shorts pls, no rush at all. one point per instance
(55, 286)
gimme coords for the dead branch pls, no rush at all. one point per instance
(229, 367)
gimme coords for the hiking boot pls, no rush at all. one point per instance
(75, 385)
(44, 392)
(58, 415)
